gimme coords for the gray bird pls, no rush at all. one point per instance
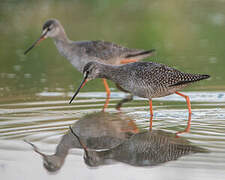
(143, 79)
(79, 53)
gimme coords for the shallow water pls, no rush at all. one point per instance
(35, 89)
(44, 122)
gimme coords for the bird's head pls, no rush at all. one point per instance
(51, 28)
(91, 70)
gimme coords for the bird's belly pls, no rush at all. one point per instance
(161, 92)
(139, 91)
(151, 92)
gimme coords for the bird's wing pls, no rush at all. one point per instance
(155, 73)
(107, 51)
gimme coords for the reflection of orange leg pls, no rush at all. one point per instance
(134, 128)
(131, 126)
(106, 87)
(125, 61)
(187, 128)
(151, 119)
(188, 101)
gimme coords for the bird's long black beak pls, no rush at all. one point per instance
(81, 84)
(81, 143)
(37, 41)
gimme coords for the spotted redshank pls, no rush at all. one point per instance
(143, 79)
(79, 53)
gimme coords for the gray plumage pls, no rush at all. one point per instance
(79, 53)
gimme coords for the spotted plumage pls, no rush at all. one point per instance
(144, 79)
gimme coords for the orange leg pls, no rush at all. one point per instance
(188, 101)
(126, 61)
(150, 105)
(151, 114)
(106, 87)
(187, 128)
(108, 94)
(106, 103)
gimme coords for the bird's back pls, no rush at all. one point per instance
(108, 52)
(150, 79)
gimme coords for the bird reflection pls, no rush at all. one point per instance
(99, 130)
(142, 149)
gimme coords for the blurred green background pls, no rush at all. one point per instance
(188, 35)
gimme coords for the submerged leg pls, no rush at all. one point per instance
(187, 100)
(126, 99)
(187, 129)
(125, 61)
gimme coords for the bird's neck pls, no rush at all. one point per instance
(109, 72)
(62, 36)
(63, 44)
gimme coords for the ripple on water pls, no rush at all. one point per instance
(44, 122)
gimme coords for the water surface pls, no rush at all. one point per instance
(44, 122)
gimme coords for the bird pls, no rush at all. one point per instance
(143, 79)
(148, 148)
(79, 53)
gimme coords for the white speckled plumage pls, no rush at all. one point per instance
(144, 79)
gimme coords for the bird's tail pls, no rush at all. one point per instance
(140, 55)
(189, 78)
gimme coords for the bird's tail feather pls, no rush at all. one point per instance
(141, 55)
(192, 78)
